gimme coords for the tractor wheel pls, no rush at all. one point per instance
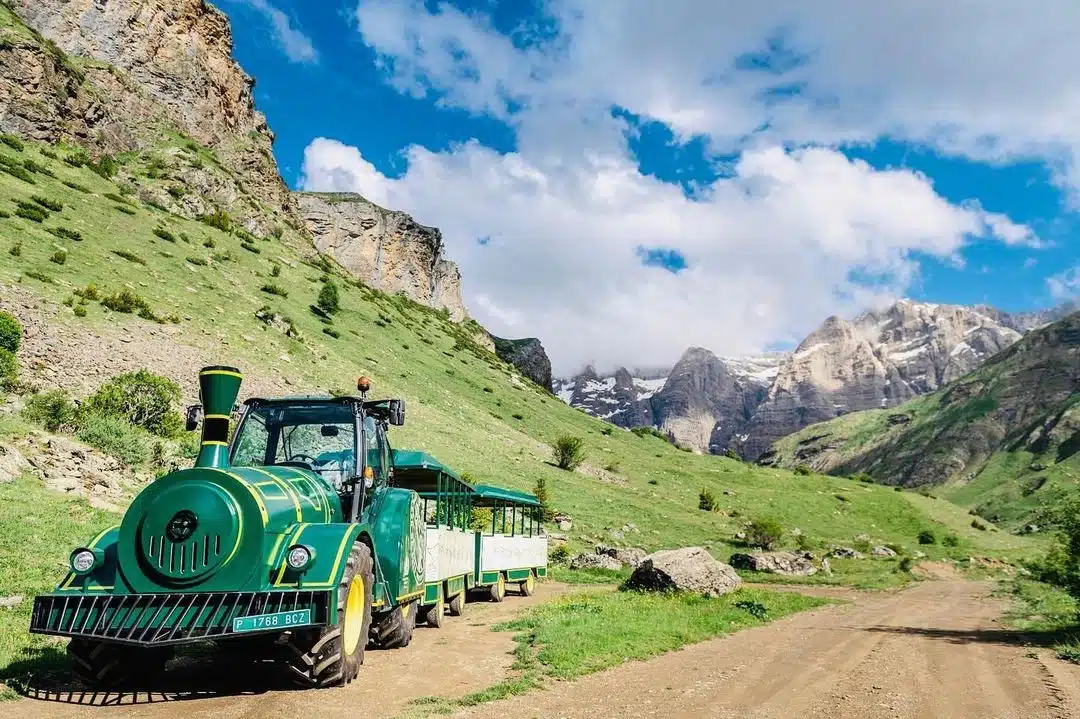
(331, 656)
(432, 615)
(457, 604)
(103, 665)
(528, 587)
(498, 589)
(395, 628)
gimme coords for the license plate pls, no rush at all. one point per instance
(278, 620)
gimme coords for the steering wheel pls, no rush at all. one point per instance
(306, 458)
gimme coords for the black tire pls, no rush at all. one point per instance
(331, 656)
(528, 587)
(457, 604)
(432, 615)
(103, 665)
(395, 628)
(498, 589)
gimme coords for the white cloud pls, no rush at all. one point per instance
(772, 249)
(297, 46)
(1064, 285)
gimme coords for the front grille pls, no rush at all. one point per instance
(162, 619)
(183, 559)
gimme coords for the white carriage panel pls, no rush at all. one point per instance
(457, 552)
(505, 552)
(431, 561)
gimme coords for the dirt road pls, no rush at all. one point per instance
(932, 651)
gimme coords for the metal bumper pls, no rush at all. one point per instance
(166, 619)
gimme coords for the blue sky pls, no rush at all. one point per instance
(415, 121)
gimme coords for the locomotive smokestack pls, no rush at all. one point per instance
(218, 387)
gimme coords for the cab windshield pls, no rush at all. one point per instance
(315, 436)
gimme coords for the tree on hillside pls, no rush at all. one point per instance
(569, 452)
(540, 490)
(328, 298)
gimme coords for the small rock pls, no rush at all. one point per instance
(846, 553)
(789, 563)
(882, 552)
(558, 537)
(595, 561)
(741, 536)
(564, 525)
(11, 602)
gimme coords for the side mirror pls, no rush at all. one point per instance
(397, 412)
(329, 430)
(192, 417)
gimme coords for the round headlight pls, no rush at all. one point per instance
(82, 561)
(299, 557)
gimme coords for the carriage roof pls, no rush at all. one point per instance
(421, 472)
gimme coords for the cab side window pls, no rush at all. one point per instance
(372, 447)
(384, 451)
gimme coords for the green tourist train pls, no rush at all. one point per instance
(305, 538)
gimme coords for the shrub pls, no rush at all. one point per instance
(120, 198)
(46, 152)
(927, 537)
(275, 270)
(209, 243)
(803, 469)
(649, 432)
(328, 298)
(569, 452)
(37, 167)
(130, 257)
(65, 234)
(59, 257)
(765, 533)
(905, 564)
(12, 142)
(78, 158)
(114, 436)
(804, 543)
(90, 292)
(197, 261)
(606, 431)
(176, 191)
(76, 186)
(559, 555)
(518, 416)
(612, 466)
(79, 311)
(250, 247)
(223, 257)
(53, 410)
(541, 493)
(107, 166)
(141, 398)
(218, 219)
(39, 276)
(272, 289)
(9, 370)
(124, 301)
(976, 524)
(331, 331)
(18, 172)
(863, 477)
(125, 209)
(164, 234)
(481, 518)
(950, 540)
(15, 250)
(4, 214)
(278, 232)
(732, 454)
(706, 501)
(29, 212)
(10, 332)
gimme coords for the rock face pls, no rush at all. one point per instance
(385, 249)
(790, 563)
(690, 569)
(595, 561)
(528, 356)
(157, 64)
(880, 359)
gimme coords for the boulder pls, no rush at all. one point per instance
(12, 464)
(690, 569)
(846, 553)
(595, 561)
(791, 563)
(882, 552)
(564, 525)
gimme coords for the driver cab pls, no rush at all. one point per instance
(318, 435)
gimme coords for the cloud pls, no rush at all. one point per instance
(297, 46)
(1064, 285)
(550, 237)
(768, 253)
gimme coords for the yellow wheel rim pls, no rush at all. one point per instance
(502, 584)
(405, 609)
(354, 615)
(530, 583)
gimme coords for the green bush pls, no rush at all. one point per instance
(90, 292)
(927, 537)
(275, 270)
(141, 398)
(124, 301)
(218, 219)
(201, 262)
(164, 234)
(45, 152)
(129, 256)
(37, 167)
(106, 167)
(569, 452)
(803, 469)
(764, 532)
(547, 513)
(59, 257)
(10, 332)
(272, 289)
(79, 311)
(328, 298)
(29, 212)
(125, 209)
(65, 234)
(39, 276)
(78, 158)
(905, 564)
(19, 172)
(53, 410)
(76, 186)
(559, 555)
(119, 198)
(706, 501)
(114, 436)
(480, 520)
(15, 250)
(9, 370)
(950, 540)
(331, 331)
(12, 142)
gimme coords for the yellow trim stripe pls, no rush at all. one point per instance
(410, 595)
(276, 547)
(223, 372)
(215, 442)
(315, 488)
(283, 485)
(337, 562)
(217, 416)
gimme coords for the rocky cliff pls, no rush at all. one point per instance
(386, 249)
(131, 70)
(880, 359)
(529, 356)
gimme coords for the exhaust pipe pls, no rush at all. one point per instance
(218, 388)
